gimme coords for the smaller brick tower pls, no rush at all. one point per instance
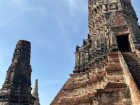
(35, 93)
(16, 89)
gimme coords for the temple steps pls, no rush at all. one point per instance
(112, 87)
(93, 79)
(104, 78)
(133, 63)
(114, 67)
(78, 100)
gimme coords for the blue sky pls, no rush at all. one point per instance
(54, 28)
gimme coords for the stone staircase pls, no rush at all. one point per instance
(133, 63)
(100, 85)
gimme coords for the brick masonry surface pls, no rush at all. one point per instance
(106, 69)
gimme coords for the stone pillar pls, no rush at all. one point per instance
(119, 6)
(77, 62)
(103, 49)
(82, 61)
(132, 39)
(114, 44)
(86, 57)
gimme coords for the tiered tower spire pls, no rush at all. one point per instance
(35, 93)
(17, 86)
(108, 19)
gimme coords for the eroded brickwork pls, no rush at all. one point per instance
(100, 85)
(130, 63)
(16, 89)
(107, 19)
(107, 65)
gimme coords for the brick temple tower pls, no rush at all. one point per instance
(16, 89)
(107, 67)
(35, 93)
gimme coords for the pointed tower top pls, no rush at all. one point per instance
(35, 93)
(35, 90)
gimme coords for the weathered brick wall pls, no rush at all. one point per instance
(101, 85)
(107, 19)
(135, 93)
(96, 79)
(115, 98)
(4, 103)
(17, 86)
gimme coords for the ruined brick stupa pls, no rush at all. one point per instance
(16, 89)
(107, 67)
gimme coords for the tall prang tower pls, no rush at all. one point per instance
(107, 66)
(113, 27)
(16, 89)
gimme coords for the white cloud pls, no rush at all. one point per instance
(66, 40)
(3, 23)
(78, 5)
(45, 43)
(10, 9)
(73, 5)
(18, 2)
(27, 5)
